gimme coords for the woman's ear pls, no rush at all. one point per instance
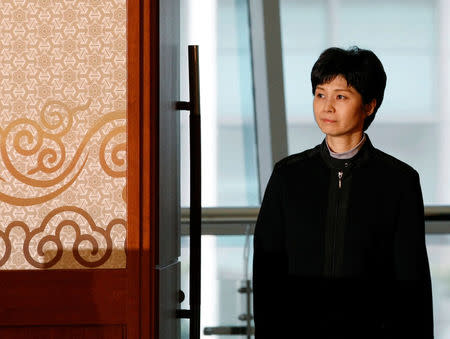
(370, 107)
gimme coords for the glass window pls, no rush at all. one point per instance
(229, 163)
(412, 123)
(226, 265)
(304, 35)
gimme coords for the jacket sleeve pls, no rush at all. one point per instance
(269, 263)
(413, 315)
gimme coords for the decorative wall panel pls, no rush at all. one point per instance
(63, 90)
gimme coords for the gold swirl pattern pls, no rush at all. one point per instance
(28, 144)
(115, 153)
(56, 239)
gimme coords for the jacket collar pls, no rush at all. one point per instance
(358, 160)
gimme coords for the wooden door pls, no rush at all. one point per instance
(79, 132)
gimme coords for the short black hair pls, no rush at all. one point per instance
(360, 67)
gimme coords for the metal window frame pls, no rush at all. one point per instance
(268, 86)
(234, 221)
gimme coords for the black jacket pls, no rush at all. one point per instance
(342, 260)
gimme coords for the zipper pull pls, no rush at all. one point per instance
(340, 175)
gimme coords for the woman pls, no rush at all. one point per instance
(339, 245)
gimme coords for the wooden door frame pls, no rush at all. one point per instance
(134, 183)
(143, 97)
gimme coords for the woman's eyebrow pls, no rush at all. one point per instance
(336, 89)
(342, 89)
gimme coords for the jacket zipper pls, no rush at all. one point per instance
(333, 259)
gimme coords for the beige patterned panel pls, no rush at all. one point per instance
(63, 134)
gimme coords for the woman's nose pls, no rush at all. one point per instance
(329, 105)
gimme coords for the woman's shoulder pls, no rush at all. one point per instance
(393, 164)
(298, 159)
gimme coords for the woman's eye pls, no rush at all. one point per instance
(340, 97)
(320, 95)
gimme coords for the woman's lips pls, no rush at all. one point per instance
(328, 121)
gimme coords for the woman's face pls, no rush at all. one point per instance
(339, 109)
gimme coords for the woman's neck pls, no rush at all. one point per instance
(344, 143)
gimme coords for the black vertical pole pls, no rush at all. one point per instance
(195, 194)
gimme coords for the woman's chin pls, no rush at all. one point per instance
(329, 130)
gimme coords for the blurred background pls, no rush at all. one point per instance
(411, 38)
